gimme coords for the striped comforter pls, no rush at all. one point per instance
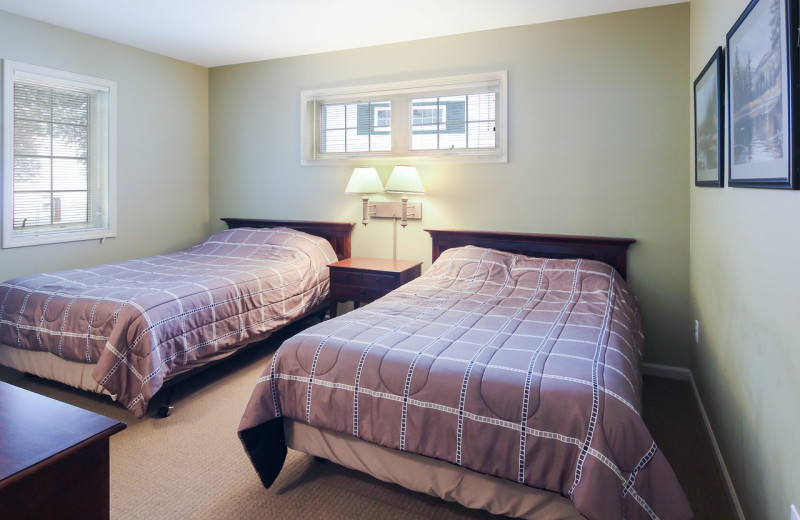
(141, 320)
(523, 368)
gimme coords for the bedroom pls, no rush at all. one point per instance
(197, 144)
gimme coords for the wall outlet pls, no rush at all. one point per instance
(795, 514)
(697, 338)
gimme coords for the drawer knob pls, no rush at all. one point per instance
(347, 277)
(377, 281)
(361, 292)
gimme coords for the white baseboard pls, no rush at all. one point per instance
(684, 374)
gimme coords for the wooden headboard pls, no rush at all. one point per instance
(337, 233)
(612, 251)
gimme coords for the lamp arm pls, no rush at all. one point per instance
(365, 209)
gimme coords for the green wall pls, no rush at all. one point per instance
(162, 134)
(597, 126)
(745, 291)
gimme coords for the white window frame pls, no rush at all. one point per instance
(14, 70)
(400, 95)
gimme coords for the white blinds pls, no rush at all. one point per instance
(60, 164)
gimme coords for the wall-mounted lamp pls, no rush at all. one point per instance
(405, 180)
(364, 181)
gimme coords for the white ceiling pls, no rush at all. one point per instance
(223, 32)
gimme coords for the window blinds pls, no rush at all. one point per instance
(60, 163)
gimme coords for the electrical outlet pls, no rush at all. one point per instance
(795, 514)
(697, 338)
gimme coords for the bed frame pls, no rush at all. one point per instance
(612, 251)
(337, 233)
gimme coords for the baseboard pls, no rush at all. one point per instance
(684, 374)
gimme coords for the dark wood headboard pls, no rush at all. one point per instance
(612, 251)
(337, 233)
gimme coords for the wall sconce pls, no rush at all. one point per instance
(405, 180)
(364, 181)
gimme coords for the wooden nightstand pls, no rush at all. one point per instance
(363, 280)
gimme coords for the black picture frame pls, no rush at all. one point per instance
(709, 119)
(762, 65)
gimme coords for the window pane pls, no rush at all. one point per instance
(31, 174)
(32, 102)
(69, 207)
(72, 107)
(32, 138)
(356, 127)
(70, 140)
(31, 209)
(441, 123)
(70, 174)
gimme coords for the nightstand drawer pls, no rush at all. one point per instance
(358, 294)
(380, 281)
(346, 277)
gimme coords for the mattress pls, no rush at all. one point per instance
(526, 369)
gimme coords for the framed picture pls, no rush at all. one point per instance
(708, 124)
(761, 64)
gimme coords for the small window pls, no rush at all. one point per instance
(58, 170)
(459, 118)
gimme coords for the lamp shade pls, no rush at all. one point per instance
(364, 180)
(404, 179)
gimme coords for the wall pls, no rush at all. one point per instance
(744, 290)
(162, 133)
(597, 146)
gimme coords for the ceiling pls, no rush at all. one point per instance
(223, 32)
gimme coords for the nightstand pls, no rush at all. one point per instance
(362, 280)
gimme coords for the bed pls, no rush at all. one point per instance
(126, 328)
(504, 382)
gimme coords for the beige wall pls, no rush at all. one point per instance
(597, 146)
(162, 132)
(745, 291)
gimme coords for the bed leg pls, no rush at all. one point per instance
(165, 410)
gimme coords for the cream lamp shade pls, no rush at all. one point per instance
(404, 179)
(363, 181)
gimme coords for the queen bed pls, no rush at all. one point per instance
(507, 377)
(126, 328)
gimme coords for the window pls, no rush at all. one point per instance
(458, 118)
(59, 156)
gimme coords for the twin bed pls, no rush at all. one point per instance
(127, 328)
(507, 377)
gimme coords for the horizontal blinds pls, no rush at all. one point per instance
(60, 155)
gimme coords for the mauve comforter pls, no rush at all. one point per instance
(523, 368)
(141, 320)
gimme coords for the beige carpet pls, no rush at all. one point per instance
(191, 464)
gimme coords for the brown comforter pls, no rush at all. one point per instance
(523, 368)
(141, 320)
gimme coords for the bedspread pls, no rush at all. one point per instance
(141, 320)
(523, 368)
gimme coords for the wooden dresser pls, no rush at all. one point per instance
(53, 458)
